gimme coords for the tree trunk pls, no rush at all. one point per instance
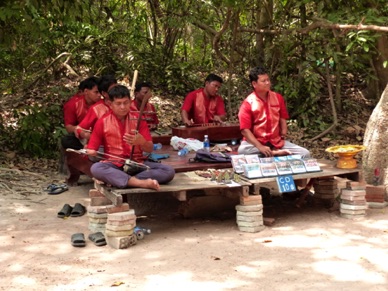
(376, 140)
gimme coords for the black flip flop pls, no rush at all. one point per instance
(98, 238)
(78, 210)
(58, 189)
(78, 240)
(65, 211)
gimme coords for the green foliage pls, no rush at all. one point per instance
(36, 132)
(171, 43)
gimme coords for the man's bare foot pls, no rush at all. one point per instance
(148, 183)
(72, 180)
(281, 152)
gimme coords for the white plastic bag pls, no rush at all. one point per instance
(191, 144)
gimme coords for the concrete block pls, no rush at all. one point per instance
(121, 222)
(352, 198)
(126, 215)
(377, 205)
(95, 193)
(114, 209)
(352, 185)
(251, 213)
(100, 201)
(353, 207)
(96, 209)
(354, 193)
(96, 227)
(249, 208)
(258, 218)
(351, 216)
(118, 233)
(352, 212)
(120, 227)
(121, 242)
(353, 202)
(251, 229)
(97, 215)
(250, 200)
(97, 220)
(376, 190)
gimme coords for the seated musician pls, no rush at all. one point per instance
(75, 109)
(263, 124)
(98, 109)
(204, 105)
(149, 113)
(118, 132)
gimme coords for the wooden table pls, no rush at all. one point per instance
(182, 164)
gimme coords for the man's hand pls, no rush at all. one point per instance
(218, 119)
(265, 150)
(90, 152)
(134, 139)
(188, 122)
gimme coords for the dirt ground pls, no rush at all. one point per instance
(307, 248)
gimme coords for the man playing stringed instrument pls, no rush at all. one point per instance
(204, 105)
(144, 90)
(125, 135)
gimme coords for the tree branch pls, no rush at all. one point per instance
(218, 35)
(319, 24)
(332, 103)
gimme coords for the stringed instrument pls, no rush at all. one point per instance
(215, 131)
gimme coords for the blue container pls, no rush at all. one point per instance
(157, 146)
(206, 143)
(183, 152)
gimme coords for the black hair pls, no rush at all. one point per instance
(88, 83)
(142, 85)
(118, 92)
(255, 72)
(213, 77)
(105, 82)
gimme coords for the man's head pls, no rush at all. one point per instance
(120, 100)
(259, 79)
(90, 89)
(106, 82)
(212, 85)
(142, 90)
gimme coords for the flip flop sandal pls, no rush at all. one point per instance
(78, 210)
(50, 187)
(78, 240)
(58, 189)
(98, 239)
(65, 211)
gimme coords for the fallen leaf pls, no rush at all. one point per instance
(118, 283)
(215, 258)
(267, 241)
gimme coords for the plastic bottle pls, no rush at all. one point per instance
(157, 146)
(206, 143)
(183, 152)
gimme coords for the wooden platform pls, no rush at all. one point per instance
(186, 181)
(182, 183)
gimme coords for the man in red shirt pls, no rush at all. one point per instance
(76, 108)
(74, 111)
(263, 120)
(142, 90)
(116, 131)
(204, 105)
(98, 109)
